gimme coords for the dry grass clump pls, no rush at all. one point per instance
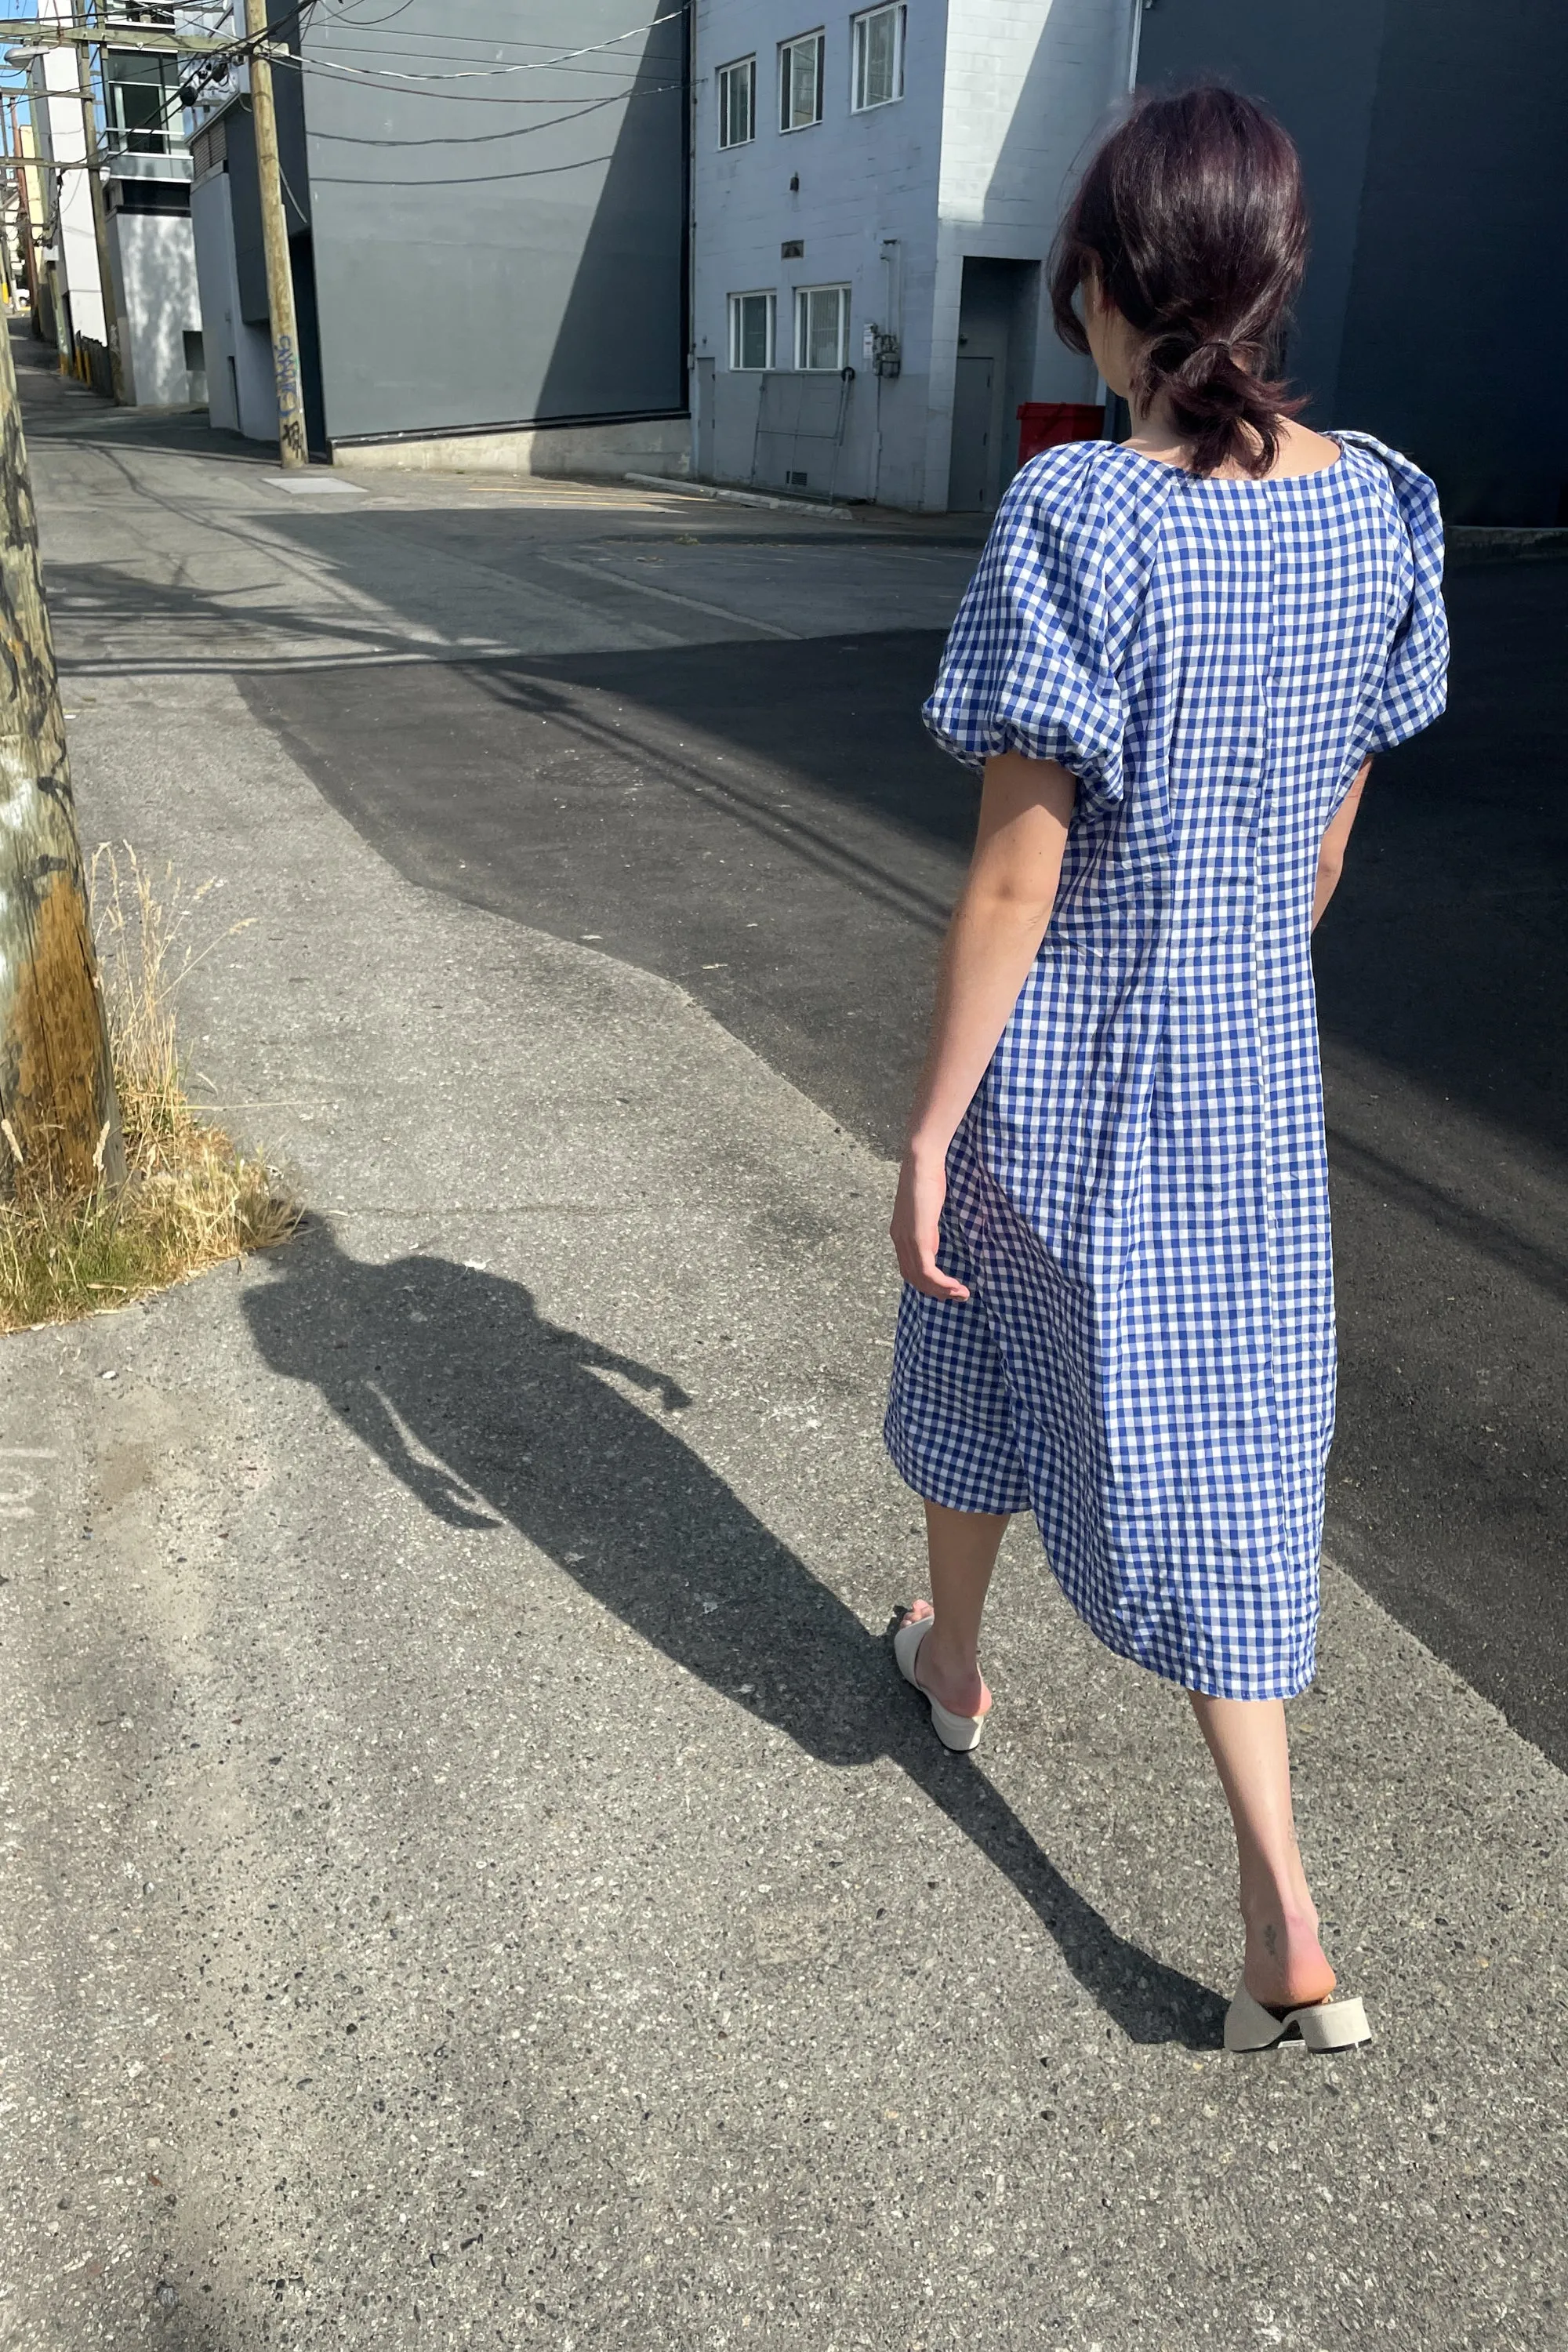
(192, 1199)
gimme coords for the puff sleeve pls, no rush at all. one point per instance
(1412, 689)
(1028, 663)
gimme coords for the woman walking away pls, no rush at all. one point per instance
(1173, 668)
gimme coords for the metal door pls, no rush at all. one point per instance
(969, 474)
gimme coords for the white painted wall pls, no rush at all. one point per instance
(865, 212)
(154, 262)
(61, 137)
(1001, 97)
(242, 393)
(1029, 84)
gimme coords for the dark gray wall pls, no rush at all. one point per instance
(504, 249)
(244, 203)
(1457, 329)
(249, 253)
(1433, 134)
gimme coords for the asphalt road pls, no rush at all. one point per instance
(763, 819)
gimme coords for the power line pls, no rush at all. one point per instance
(556, 98)
(542, 64)
(481, 41)
(491, 73)
(315, 65)
(408, 33)
(468, 180)
(486, 138)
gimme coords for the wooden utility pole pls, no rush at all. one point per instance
(99, 206)
(291, 447)
(59, 1121)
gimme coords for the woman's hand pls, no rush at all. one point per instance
(916, 1226)
(1026, 808)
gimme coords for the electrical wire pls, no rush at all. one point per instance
(401, 10)
(218, 63)
(485, 138)
(492, 73)
(309, 65)
(468, 180)
(345, 28)
(620, 72)
(556, 98)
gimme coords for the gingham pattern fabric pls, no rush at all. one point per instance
(1137, 1197)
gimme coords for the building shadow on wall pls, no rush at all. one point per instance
(620, 348)
(489, 1414)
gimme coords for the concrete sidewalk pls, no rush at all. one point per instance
(471, 1876)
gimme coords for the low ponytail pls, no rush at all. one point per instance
(1223, 405)
(1191, 216)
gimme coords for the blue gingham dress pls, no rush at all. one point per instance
(1137, 1197)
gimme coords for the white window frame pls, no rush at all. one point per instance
(859, 27)
(802, 336)
(723, 78)
(786, 78)
(738, 365)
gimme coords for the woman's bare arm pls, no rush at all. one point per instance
(1026, 809)
(1332, 856)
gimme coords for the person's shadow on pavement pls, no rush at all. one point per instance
(523, 1428)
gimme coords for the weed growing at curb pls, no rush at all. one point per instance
(192, 1199)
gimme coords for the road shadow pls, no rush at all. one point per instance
(489, 1414)
(1443, 952)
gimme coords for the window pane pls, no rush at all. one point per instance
(736, 84)
(879, 53)
(125, 64)
(803, 83)
(753, 331)
(822, 327)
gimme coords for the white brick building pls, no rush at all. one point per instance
(874, 193)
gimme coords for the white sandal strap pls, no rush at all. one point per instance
(959, 1733)
(1322, 2025)
(906, 1645)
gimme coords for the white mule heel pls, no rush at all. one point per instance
(960, 1733)
(1322, 2025)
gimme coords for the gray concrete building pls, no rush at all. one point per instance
(487, 204)
(875, 194)
(1433, 137)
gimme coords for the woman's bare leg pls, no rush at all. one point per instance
(962, 1546)
(1285, 1964)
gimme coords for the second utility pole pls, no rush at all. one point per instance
(100, 204)
(291, 448)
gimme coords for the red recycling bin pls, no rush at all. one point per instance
(1046, 424)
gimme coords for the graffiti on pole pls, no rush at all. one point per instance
(291, 419)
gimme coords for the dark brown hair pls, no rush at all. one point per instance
(1192, 213)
